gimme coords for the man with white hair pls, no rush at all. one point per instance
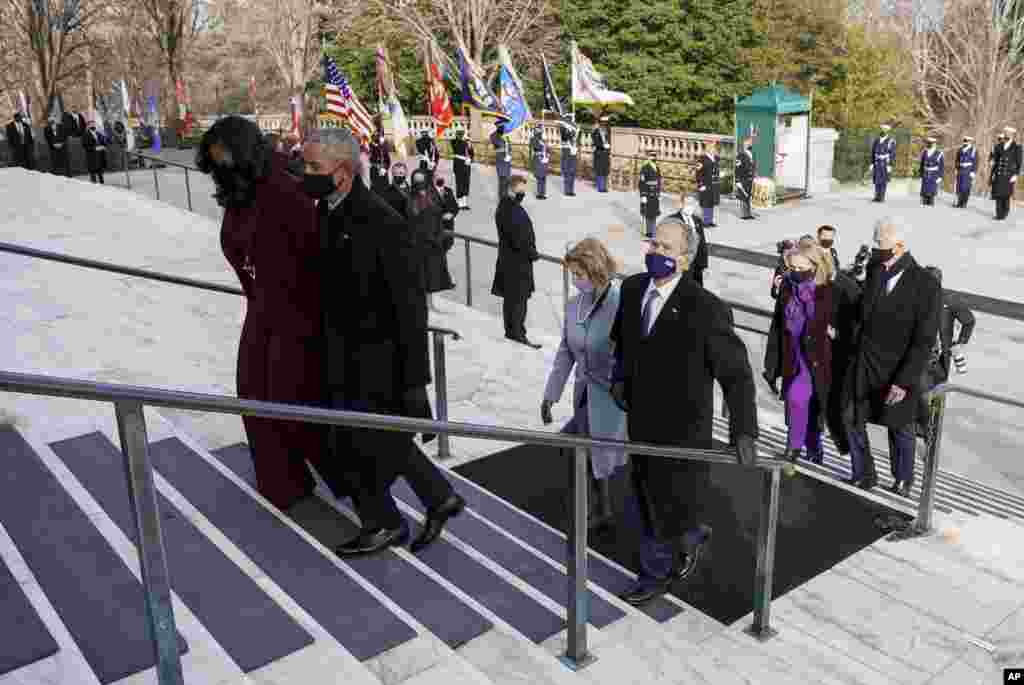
(898, 319)
(673, 340)
(1006, 163)
(377, 359)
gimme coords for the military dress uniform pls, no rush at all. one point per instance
(502, 159)
(883, 153)
(709, 186)
(570, 150)
(540, 159)
(380, 162)
(966, 167)
(745, 181)
(602, 158)
(462, 153)
(428, 154)
(650, 196)
(1006, 163)
(933, 168)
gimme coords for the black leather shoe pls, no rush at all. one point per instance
(528, 343)
(369, 542)
(904, 490)
(793, 456)
(641, 595)
(894, 488)
(689, 559)
(436, 519)
(868, 482)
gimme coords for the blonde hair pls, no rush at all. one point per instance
(592, 258)
(822, 260)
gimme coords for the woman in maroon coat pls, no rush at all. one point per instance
(270, 238)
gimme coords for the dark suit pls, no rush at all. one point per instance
(375, 326)
(69, 122)
(95, 144)
(1006, 164)
(397, 197)
(668, 379)
(745, 169)
(513, 272)
(22, 144)
(57, 140)
(896, 333)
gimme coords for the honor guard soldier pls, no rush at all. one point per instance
(883, 153)
(745, 177)
(966, 166)
(650, 193)
(570, 150)
(540, 158)
(380, 162)
(1006, 161)
(709, 183)
(427, 149)
(502, 157)
(933, 168)
(462, 153)
(600, 140)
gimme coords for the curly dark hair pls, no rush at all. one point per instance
(250, 160)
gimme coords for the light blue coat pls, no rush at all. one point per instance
(586, 345)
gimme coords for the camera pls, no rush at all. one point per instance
(860, 261)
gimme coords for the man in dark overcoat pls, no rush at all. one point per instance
(966, 168)
(462, 164)
(539, 158)
(933, 168)
(70, 123)
(673, 340)
(57, 141)
(380, 162)
(397, 194)
(883, 155)
(375, 331)
(21, 141)
(570, 134)
(709, 183)
(502, 158)
(600, 139)
(95, 144)
(1006, 163)
(745, 171)
(517, 251)
(650, 193)
(898, 321)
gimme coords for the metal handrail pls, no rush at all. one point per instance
(129, 402)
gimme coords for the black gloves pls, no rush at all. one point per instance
(545, 412)
(773, 383)
(619, 395)
(746, 450)
(417, 406)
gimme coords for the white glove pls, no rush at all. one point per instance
(959, 359)
(643, 200)
(972, 175)
(702, 189)
(447, 216)
(888, 169)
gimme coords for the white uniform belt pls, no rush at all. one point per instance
(881, 156)
(931, 168)
(463, 158)
(966, 163)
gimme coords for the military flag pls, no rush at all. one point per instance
(588, 85)
(295, 107)
(475, 92)
(551, 101)
(510, 92)
(343, 103)
(438, 104)
(390, 108)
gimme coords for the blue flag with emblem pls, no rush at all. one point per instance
(475, 93)
(510, 92)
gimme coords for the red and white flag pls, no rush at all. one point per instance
(342, 102)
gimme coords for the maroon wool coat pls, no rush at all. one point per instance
(274, 247)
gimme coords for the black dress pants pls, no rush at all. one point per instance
(1002, 207)
(513, 309)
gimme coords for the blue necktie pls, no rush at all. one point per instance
(648, 313)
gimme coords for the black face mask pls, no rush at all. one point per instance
(519, 197)
(826, 243)
(319, 186)
(801, 276)
(398, 181)
(881, 256)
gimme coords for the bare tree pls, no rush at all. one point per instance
(175, 26)
(968, 78)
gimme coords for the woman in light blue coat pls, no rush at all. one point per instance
(587, 347)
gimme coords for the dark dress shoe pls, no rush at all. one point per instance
(570, 194)
(793, 456)
(868, 482)
(690, 556)
(894, 488)
(436, 518)
(904, 490)
(642, 594)
(528, 343)
(370, 541)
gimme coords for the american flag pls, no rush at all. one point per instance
(342, 102)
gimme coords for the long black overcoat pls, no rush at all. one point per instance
(517, 251)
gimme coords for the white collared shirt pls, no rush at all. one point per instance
(664, 292)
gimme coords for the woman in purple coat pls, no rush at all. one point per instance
(800, 352)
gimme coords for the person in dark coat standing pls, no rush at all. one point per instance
(1006, 163)
(801, 353)
(570, 134)
(56, 140)
(95, 144)
(380, 162)
(70, 123)
(600, 139)
(883, 154)
(397, 194)
(966, 168)
(425, 210)
(426, 148)
(745, 170)
(933, 168)
(539, 158)
(517, 251)
(673, 340)
(375, 331)
(699, 259)
(650, 193)
(502, 158)
(827, 241)
(21, 141)
(708, 182)
(898, 322)
(462, 164)
(269, 238)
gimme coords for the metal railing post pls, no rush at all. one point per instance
(156, 582)
(565, 286)
(188, 190)
(127, 176)
(926, 505)
(767, 527)
(469, 274)
(441, 393)
(576, 655)
(156, 182)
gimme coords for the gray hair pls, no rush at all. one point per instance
(689, 233)
(894, 227)
(340, 144)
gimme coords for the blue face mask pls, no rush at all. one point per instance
(583, 285)
(659, 266)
